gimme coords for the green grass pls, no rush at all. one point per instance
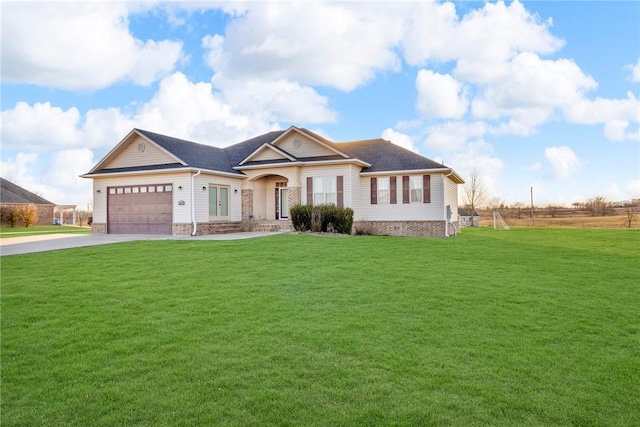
(521, 327)
(37, 230)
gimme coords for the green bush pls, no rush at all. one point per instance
(322, 218)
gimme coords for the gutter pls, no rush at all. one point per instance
(193, 203)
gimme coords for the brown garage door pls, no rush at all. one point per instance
(140, 209)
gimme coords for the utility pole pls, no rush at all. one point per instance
(532, 223)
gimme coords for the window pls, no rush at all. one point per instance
(325, 190)
(415, 186)
(218, 202)
(383, 190)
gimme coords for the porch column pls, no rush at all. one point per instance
(247, 204)
(295, 194)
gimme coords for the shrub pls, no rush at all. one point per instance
(322, 218)
(29, 215)
(10, 214)
(364, 228)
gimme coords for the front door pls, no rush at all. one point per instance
(283, 202)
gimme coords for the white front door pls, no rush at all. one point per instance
(218, 203)
(283, 196)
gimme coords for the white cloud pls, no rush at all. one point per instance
(530, 91)
(79, 46)
(440, 96)
(632, 189)
(635, 71)
(452, 136)
(563, 161)
(275, 100)
(40, 125)
(340, 45)
(615, 114)
(479, 155)
(399, 138)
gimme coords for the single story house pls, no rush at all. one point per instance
(12, 197)
(468, 217)
(152, 183)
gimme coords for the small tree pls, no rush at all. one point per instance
(29, 215)
(630, 214)
(473, 192)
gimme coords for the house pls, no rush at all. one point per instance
(14, 197)
(468, 217)
(152, 183)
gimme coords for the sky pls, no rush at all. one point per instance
(529, 95)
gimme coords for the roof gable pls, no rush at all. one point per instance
(14, 194)
(167, 153)
(303, 143)
(268, 152)
(137, 150)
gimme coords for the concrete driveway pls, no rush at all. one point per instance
(54, 242)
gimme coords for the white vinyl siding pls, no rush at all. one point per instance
(202, 196)
(401, 211)
(325, 190)
(131, 156)
(451, 198)
(307, 147)
(181, 211)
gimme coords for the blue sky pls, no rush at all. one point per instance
(528, 94)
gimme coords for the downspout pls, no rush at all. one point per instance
(193, 203)
(446, 218)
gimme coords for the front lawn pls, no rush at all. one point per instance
(37, 230)
(521, 327)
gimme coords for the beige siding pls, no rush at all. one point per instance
(401, 211)
(267, 154)
(307, 148)
(130, 155)
(317, 171)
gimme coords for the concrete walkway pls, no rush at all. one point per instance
(54, 242)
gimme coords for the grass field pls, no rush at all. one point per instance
(36, 230)
(521, 327)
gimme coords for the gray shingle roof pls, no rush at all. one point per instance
(193, 154)
(382, 155)
(12, 193)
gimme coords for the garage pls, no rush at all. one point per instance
(140, 209)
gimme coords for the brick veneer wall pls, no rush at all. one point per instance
(98, 228)
(295, 196)
(247, 204)
(404, 228)
(185, 229)
(45, 213)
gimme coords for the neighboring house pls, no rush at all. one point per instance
(16, 197)
(151, 183)
(468, 217)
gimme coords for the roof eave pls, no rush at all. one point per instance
(303, 163)
(161, 171)
(446, 171)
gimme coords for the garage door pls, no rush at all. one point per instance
(140, 209)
